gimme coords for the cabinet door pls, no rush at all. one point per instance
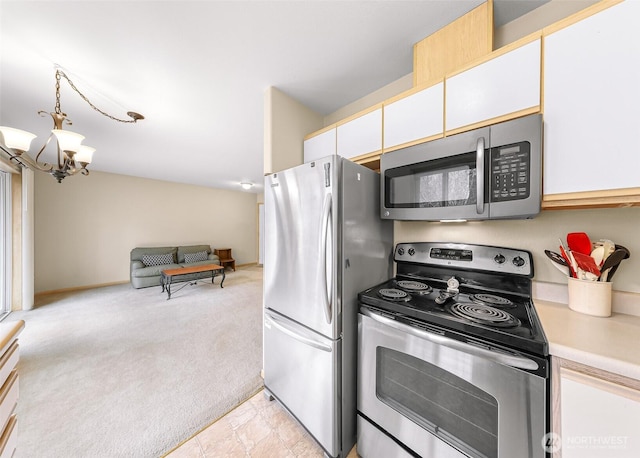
(504, 85)
(321, 145)
(361, 135)
(591, 100)
(415, 117)
(599, 418)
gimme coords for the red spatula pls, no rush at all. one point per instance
(587, 264)
(579, 242)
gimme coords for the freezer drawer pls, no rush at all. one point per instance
(301, 371)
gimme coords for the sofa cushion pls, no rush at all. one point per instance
(191, 249)
(153, 271)
(195, 257)
(157, 259)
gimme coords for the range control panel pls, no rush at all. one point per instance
(464, 255)
(510, 172)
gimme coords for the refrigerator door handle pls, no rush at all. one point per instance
(272, 320)
(325, 251)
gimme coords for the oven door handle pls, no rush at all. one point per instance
(480, 176)
(499, 357)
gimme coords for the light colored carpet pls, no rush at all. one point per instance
(122, 372)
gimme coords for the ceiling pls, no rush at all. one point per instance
(198, 70)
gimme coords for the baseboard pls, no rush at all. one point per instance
(80, 288)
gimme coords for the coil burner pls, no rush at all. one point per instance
(491, 300)
(484, 314)
(413, 286)
(395, 295)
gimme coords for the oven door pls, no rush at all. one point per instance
(440, 180)
(445, 398)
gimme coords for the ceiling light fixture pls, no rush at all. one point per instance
(246, 185)
(73, 157)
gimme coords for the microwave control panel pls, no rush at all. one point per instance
(510, 172)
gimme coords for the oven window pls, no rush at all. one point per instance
(449, 182)
(442, 403)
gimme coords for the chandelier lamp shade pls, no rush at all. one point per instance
(72, 156)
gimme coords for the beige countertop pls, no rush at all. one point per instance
(611, 344)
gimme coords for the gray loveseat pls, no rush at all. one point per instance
(148, 263)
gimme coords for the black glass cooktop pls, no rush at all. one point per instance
(476, 291)
(512, 319)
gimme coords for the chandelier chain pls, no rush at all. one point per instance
(58, 110)
(59, 74)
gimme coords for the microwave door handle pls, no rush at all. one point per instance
(480, 175)
(499, 357)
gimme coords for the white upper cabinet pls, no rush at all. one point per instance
(415, 117)
(320, 145)
(591, 101)
(506, 84)
(360, 135)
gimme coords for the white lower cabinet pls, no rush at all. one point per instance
(596, 414)
(9, 392)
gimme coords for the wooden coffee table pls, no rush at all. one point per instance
(170, 276)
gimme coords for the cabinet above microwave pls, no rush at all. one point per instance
(488, 173)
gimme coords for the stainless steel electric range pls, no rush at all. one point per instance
(453, 360)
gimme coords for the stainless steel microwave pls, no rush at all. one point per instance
(494, 172)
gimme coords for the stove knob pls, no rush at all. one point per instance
(400, 251)
(412, 251)
(518, 261)
(499, 258)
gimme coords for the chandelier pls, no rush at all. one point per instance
(73, 157)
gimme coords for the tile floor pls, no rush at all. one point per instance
(257, 428)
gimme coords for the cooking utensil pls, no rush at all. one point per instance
(587, 265)
(614, 268)
(579, 242)
(612, 261)
(625, 249)
(558, 261)
(598, 254)
(565, 255)
(609, 248)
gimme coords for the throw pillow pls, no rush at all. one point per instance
(157, 259)
(194, 257)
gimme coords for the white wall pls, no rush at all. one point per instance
(542, 233)
(286, 122)
(86, 226)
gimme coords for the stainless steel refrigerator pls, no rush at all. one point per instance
(324, 243)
